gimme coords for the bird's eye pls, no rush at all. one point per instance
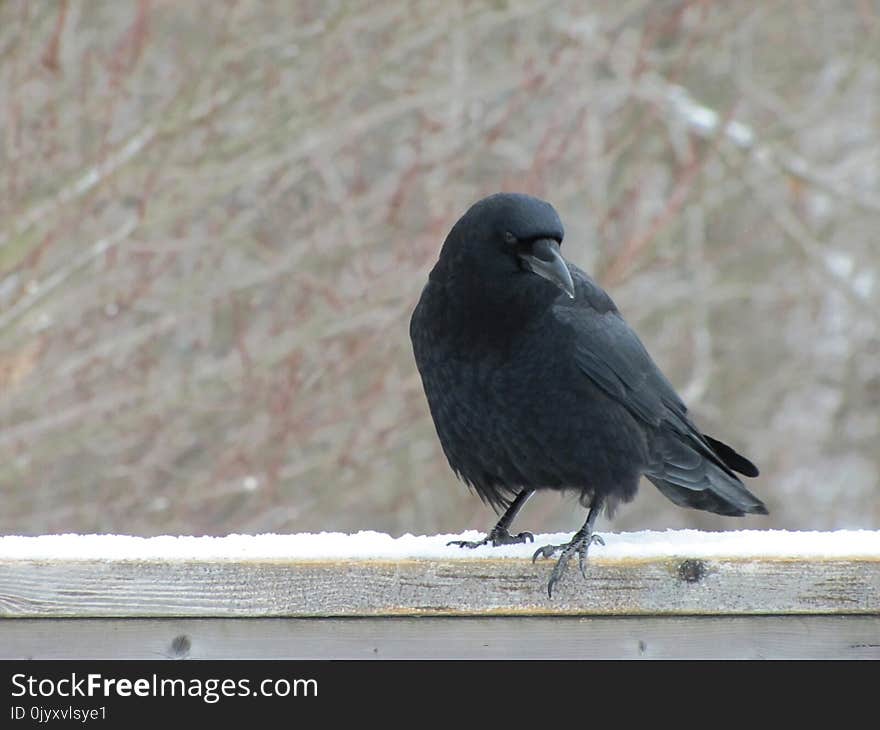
(509, 238)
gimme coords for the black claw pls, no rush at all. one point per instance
(579, 545)
(468, 543)
(496, 538)
(505, 538)
(546, 552)
(558, 571)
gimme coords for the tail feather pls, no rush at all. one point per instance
(709, 500)
(731, 459)
(693, 479)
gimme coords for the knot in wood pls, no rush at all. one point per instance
(691, 571)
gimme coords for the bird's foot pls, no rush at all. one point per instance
(579, 545)
(496, 537)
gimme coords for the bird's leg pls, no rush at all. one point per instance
(579, 544)
(499, 534)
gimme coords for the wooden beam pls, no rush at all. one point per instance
(485, 587)
(505, 637)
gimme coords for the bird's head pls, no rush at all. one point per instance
(507, 235)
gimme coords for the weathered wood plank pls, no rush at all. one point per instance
(560, 637)
(503, 586)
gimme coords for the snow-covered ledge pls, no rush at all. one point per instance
(370, 574)
(652, 575)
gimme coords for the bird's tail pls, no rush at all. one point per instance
(691, 475)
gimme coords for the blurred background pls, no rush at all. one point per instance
(217, 217)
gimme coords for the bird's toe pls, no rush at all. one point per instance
(547, 551)
(582, 562)
(467, 543)
(503, 537)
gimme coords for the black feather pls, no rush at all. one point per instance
(733, 460)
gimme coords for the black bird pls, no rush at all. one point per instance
(535, 381)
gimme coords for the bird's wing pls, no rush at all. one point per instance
(688, 467)
(608, 352)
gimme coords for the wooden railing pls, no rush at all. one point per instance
(179, 599)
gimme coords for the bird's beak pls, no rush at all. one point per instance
(546, 261)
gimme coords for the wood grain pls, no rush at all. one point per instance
(510, 586)
(460, 637)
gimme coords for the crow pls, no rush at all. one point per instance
(535, 381)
